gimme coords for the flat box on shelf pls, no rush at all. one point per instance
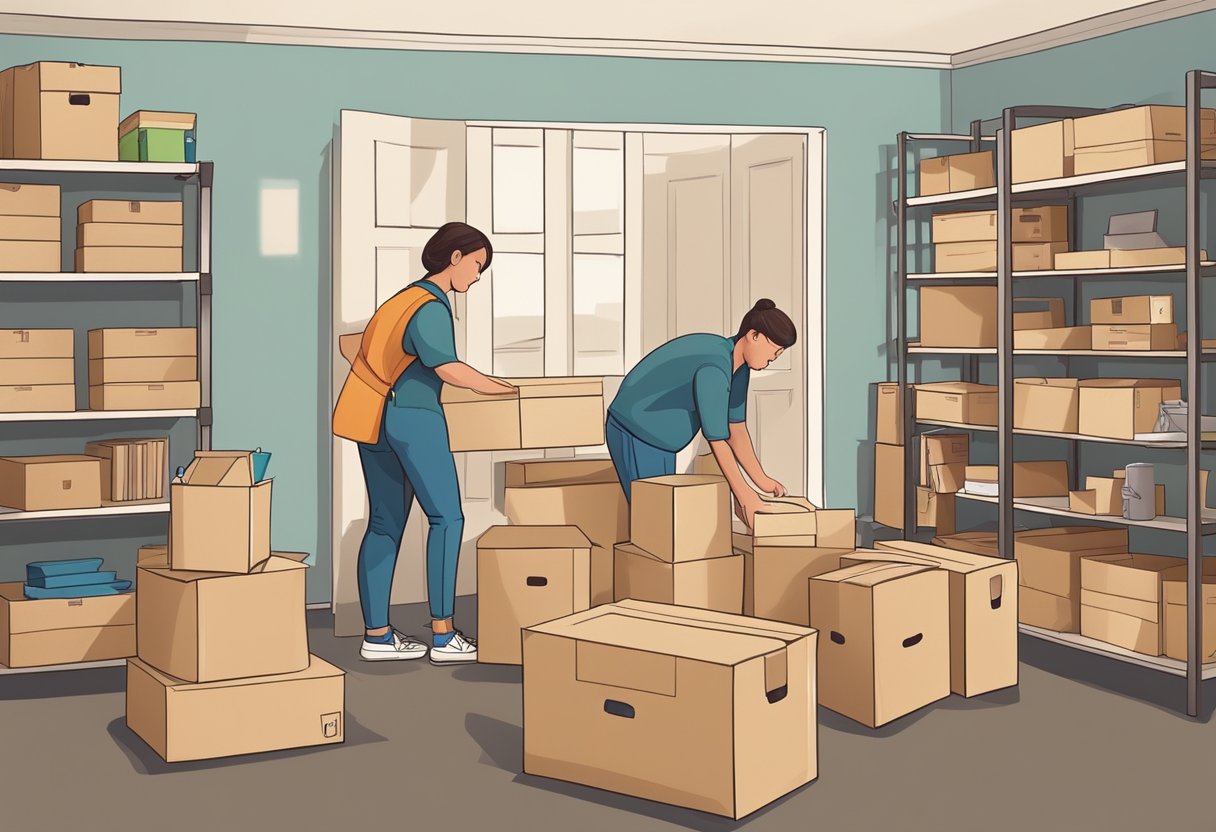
(982, 256)
(957, 401)
(142, 370)
(1053, 338)
(50, 483)
(23, 200)
(38, 633)
(1133, 309)
(1175, 603)
(958, 316)
(1047, 404)
(147, 235)
(169, 395)
(1123, 258)
(1154, 122)
(886, 645)
(710, 584)
(142, 343)
(774, 578)
(1135, 337)
(1049, 571)
(196, 626)
(1134, 155)
(526, 575)
(145, 211)
(102, 259)
(32, 371)
(681, 517)
(187, 721)
(889, 415)
(56, 110)
(153, 144)
(1044, 151)
(1045, 224)
(44, 229)
(958, 172)
(1050, 314)
(546, 413)
(983, 612)
(29, 256)
(1121, 599)
(36, 343)
(687, 707)
(1044, 478)
(219, 519)
(38, 398)
(1119, 408)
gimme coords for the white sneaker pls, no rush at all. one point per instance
(458, 650)
(401, 648)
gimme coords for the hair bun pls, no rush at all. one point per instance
(763, 304)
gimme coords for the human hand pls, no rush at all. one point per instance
(770, 486)
(746, 508)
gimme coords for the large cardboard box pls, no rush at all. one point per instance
(795, 521)
(982, 256)
(219, 518)
(1045, 224)
(50, 631)
(687, 707)
(957, 401)
(187, 721)
(1133, 155)
(36, 343)
(774, 577)
(1041, 478)
(526, 575)
(142, 343)
(169, 395)
(1173, 594)
(1053, 338)
(142, 235)
(958, 172)
(29, 256)
(1134, 309)
(1153, 122)
(45, 229)
(710, 584)
(38, 398)
(1044, 151)
(25, 200)
(546, 413)
(886, 639)
(1049, 571)
(209, 627)
(1130, 337)
(55, 110)
(681, 517)
(1049, 612)
(156, 212)
(1047, 404)
(1119, 408)
(128, 259)
(983, 611)
(146, 370)
(958, 316)
(889, 414)
(1121, 599)
(50, 483)
(29, 371)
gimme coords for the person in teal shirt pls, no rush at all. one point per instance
(697, 383)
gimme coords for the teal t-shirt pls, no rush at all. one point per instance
(431, 337)
(683, 387)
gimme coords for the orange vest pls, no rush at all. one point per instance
(380, 362)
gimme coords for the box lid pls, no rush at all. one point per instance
(61, 76)
(226, 468)
(1129, 383)
(1128, 575)
(317, 668)
(1066, 383)
(533, 537)
(951, 560)
(50, 458)
(684, 480)
(156, 118)
(277, 562)
(872, 574)
(956, 387)
(529, 388)
(785, 517)
(552, 472)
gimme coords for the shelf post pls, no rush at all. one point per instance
(204, 289)
(1004, 335)
(1195, 83)
(901, 304)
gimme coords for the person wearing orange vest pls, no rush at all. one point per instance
(390, 406)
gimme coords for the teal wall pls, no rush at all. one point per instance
(268, 112)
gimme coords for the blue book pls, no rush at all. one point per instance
(83, 579)
(37, 593)
(47, 568)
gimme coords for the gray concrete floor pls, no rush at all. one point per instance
(1082, 744)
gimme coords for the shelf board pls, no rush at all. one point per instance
(108, 510)
(1134, 271)
(1058, 507)
(918, 350)
(1080, 437)
(79, 166)
(99, 277)
(54, 668)
(914, 349)
(97, 415)
(1101, 648)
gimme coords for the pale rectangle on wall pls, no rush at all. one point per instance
(599, 314)
(279, 209)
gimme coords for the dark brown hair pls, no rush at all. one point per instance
(770, 322)
(452, 237)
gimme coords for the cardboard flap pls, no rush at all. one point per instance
(548, 472)
(226, 468)
(533, 537)
(674, 639)
(282, 562)
(950, 559)
(57, 76)
(620, 667)
(873, 573)
(785, 517)
(542, 388)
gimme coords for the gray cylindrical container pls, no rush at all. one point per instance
(1140, 492)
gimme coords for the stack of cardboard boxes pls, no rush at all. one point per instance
(114, 235)
(30, 228)
(967, 241)
(223, 666)
(1141, 322)
(143, 369)
(37, 371)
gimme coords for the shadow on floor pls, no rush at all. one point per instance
(60, 683)
(146, 761)
(497, 674)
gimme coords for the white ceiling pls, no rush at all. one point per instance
(777, 27)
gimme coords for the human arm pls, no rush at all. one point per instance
(459, 374)
(430, 337)
(711, 393)
(740, 443)
(747, 501)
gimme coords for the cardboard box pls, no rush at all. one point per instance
(795, 521)
(983, 611)
(711, 584)
(38, 398)
(1082, 260)
(1148, 123)
(198, 626)
(1047, 404)
(1134, 309)
(1049, 612)
(29, 228)
(172, 395)
(681, 517)
(1124, 259)
(602, 706)
(958, 172)
(219, 519)
(1044, 151)
(943, 458)
(1133, 155)
(1119, 408)
(16, 372)
(142, 343)
(36, 343)
(51, 631)
(128, 259)
(982, 256)
(957, 401)
(54, 110)
(186, 721)
(774, 578)
(1055, 338)
(1121, 599)
(143, 235)
(29, 256)
(1104, 496)
(889, 414)
(1132, 337)
(936, 511)
(1046, 478)
(1050, 315)
(155, 212)
(145, 370)
(546, 413)
(957, 316)
(50, 483)
(886, 639)
(526, 575)
(1173, 593)
(1045, 224)
(889, 485)
(25, 200)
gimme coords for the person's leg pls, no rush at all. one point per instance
(634, 459)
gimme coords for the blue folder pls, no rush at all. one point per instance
(47, 568)
(37, 593)
(83, 579)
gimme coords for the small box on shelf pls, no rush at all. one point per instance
(958, 172)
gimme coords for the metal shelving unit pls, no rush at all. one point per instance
(1187, 176)
(118, 174)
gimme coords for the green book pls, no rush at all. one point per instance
(153, 144)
